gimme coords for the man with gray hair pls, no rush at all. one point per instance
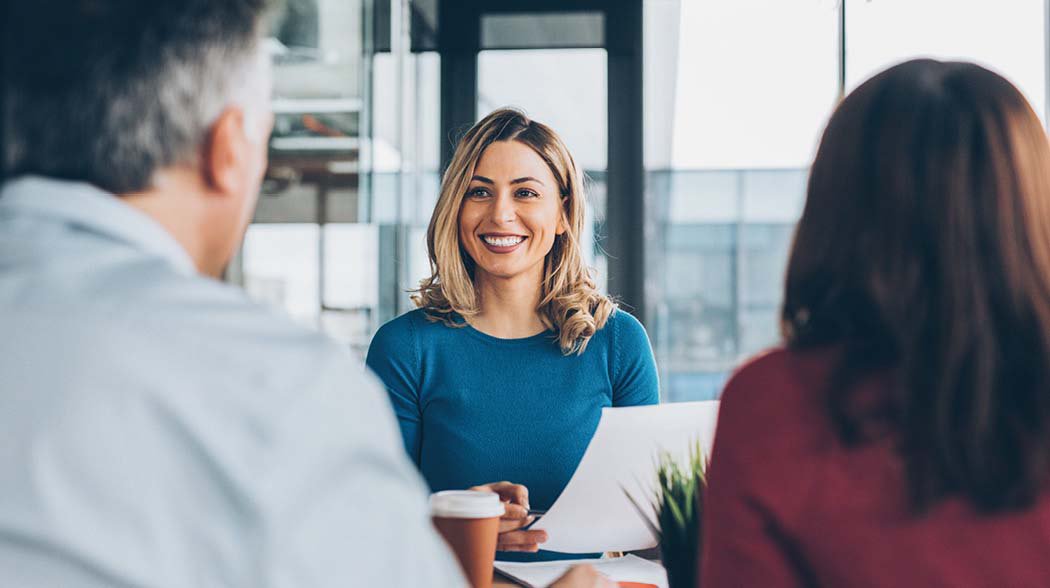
(156, 427)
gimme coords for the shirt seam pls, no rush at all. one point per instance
(617, 359)
(544, 338)
(420, 370)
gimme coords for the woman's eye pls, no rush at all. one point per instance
(527, 194)
(478, 193)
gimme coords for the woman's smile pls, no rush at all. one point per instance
(502, 243)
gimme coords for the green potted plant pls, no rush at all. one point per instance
(678, 502)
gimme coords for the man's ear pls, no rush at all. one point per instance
(225, 154)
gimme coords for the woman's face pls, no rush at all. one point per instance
(511, 212)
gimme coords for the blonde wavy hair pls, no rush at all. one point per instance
(570, 304)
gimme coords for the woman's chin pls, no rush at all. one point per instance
(501, 272)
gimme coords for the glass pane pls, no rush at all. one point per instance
(351, 284)
(752, 92)
(405, 178)
(1007, 37)
(351, 272)
(353, 166)
(562, 88)
(281, 264)
(542, 30)
(315, 153)
(741, 104)
(317, 83)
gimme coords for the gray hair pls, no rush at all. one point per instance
(124, 88)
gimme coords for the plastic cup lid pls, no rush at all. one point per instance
(465, 504)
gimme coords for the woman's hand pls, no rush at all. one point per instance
(583, 577)
(515, 499)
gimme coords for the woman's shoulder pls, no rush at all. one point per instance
(396, 328)
(401, 339)
(778, 370)
(774, 438)
(623, 328)
(801, 365)
(623, 319)
(779, 388)
(417, 325)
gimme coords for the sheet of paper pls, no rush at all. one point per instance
(621, 569)
(593, 513)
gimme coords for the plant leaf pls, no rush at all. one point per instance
(649, 524)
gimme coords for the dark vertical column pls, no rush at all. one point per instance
(625, 203)
(459, 37)
(3, 82)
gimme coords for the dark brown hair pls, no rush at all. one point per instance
(924, 253)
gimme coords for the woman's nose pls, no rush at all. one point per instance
(504, 209)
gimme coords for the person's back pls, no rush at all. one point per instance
(801, 508)
(156, 427)
(902, 435)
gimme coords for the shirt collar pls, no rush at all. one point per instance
(82, 204)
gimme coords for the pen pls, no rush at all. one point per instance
(535, 514)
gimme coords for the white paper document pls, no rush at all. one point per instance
(593, 513)
(620, 569)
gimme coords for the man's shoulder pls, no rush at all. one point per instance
(177, 301)
(202, 323)
(220, 314)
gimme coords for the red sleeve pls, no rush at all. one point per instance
(753, 480)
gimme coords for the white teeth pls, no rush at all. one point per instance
(503, 241)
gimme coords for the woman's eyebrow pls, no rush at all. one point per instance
(526, 179)
(521, 180)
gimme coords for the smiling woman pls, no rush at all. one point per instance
(510, 171)
(504, 369)
(501, 217)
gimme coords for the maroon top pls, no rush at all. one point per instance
(789, 505)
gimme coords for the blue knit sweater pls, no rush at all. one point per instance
(475, 409)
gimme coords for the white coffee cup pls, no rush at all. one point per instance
(469, 522)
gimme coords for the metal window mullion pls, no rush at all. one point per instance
(626, 212)
(1046, 63)
(842, 49)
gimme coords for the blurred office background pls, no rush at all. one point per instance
(695, 120)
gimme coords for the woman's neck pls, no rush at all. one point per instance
(508, 306)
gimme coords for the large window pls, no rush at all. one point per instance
(304, 241)
(726, 172)
(736, 95)
(1008, 37)
(727, 157)
(338, 237)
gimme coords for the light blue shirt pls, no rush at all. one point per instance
(159, 429)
